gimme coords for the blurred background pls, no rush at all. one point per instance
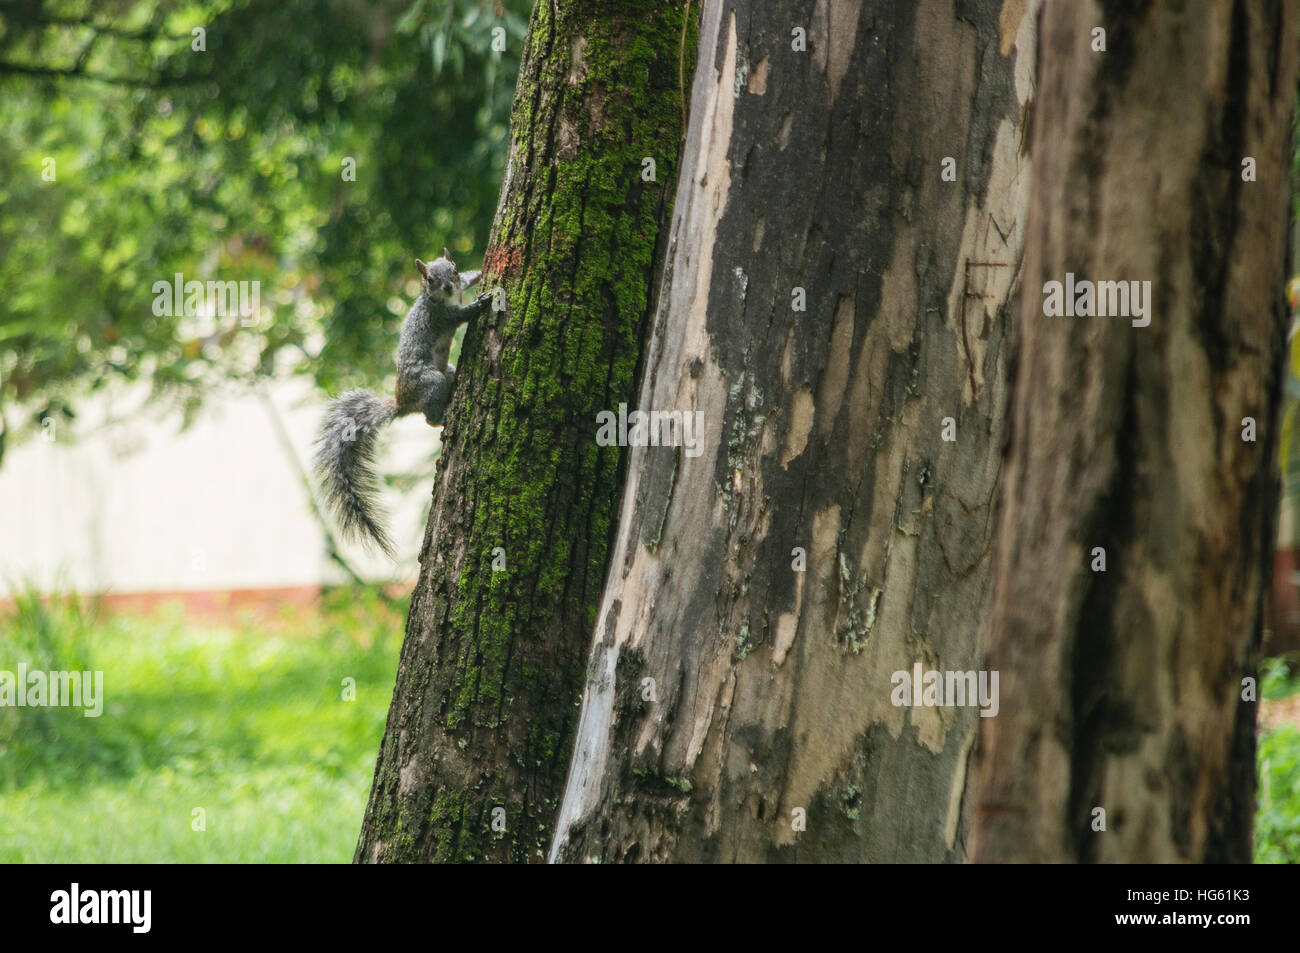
(157, 522)
(156, 519)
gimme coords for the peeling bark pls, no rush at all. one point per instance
(727, 689)
(1122, 689)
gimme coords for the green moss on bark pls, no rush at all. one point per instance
(492, 668)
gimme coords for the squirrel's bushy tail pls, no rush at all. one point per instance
(345, 461)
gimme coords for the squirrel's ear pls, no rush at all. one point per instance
(446, 254)
(424, 269)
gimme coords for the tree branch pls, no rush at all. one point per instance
(145, 33)
(78, 71)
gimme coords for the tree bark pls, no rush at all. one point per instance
(729, 688)
(1122, 689)
(491, 668)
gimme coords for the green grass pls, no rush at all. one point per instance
(246, 722)
(1277, 817)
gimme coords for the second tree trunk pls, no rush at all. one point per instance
(837, 309)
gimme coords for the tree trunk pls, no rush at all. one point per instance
(1122, 689)
(518, 536)
(731, 687)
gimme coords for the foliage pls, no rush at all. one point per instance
(1277, 820)
(247, 723)
(228, 164)
(1277, 823)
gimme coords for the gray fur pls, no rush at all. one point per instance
(345, 447)
(345, 459)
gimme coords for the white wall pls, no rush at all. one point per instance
(131, 504)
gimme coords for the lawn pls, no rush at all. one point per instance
(1277, 820)
(249, 725)
(217, 743)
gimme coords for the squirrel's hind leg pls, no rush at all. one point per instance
(437, 387)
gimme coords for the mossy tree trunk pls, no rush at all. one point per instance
(762, 594)
(518, 537)
(1122, 689)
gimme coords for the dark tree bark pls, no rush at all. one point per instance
(730, 687)
(491, 668)
(1122, 689)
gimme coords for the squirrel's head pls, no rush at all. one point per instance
(440, 276)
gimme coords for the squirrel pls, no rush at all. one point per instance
(345, 446)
